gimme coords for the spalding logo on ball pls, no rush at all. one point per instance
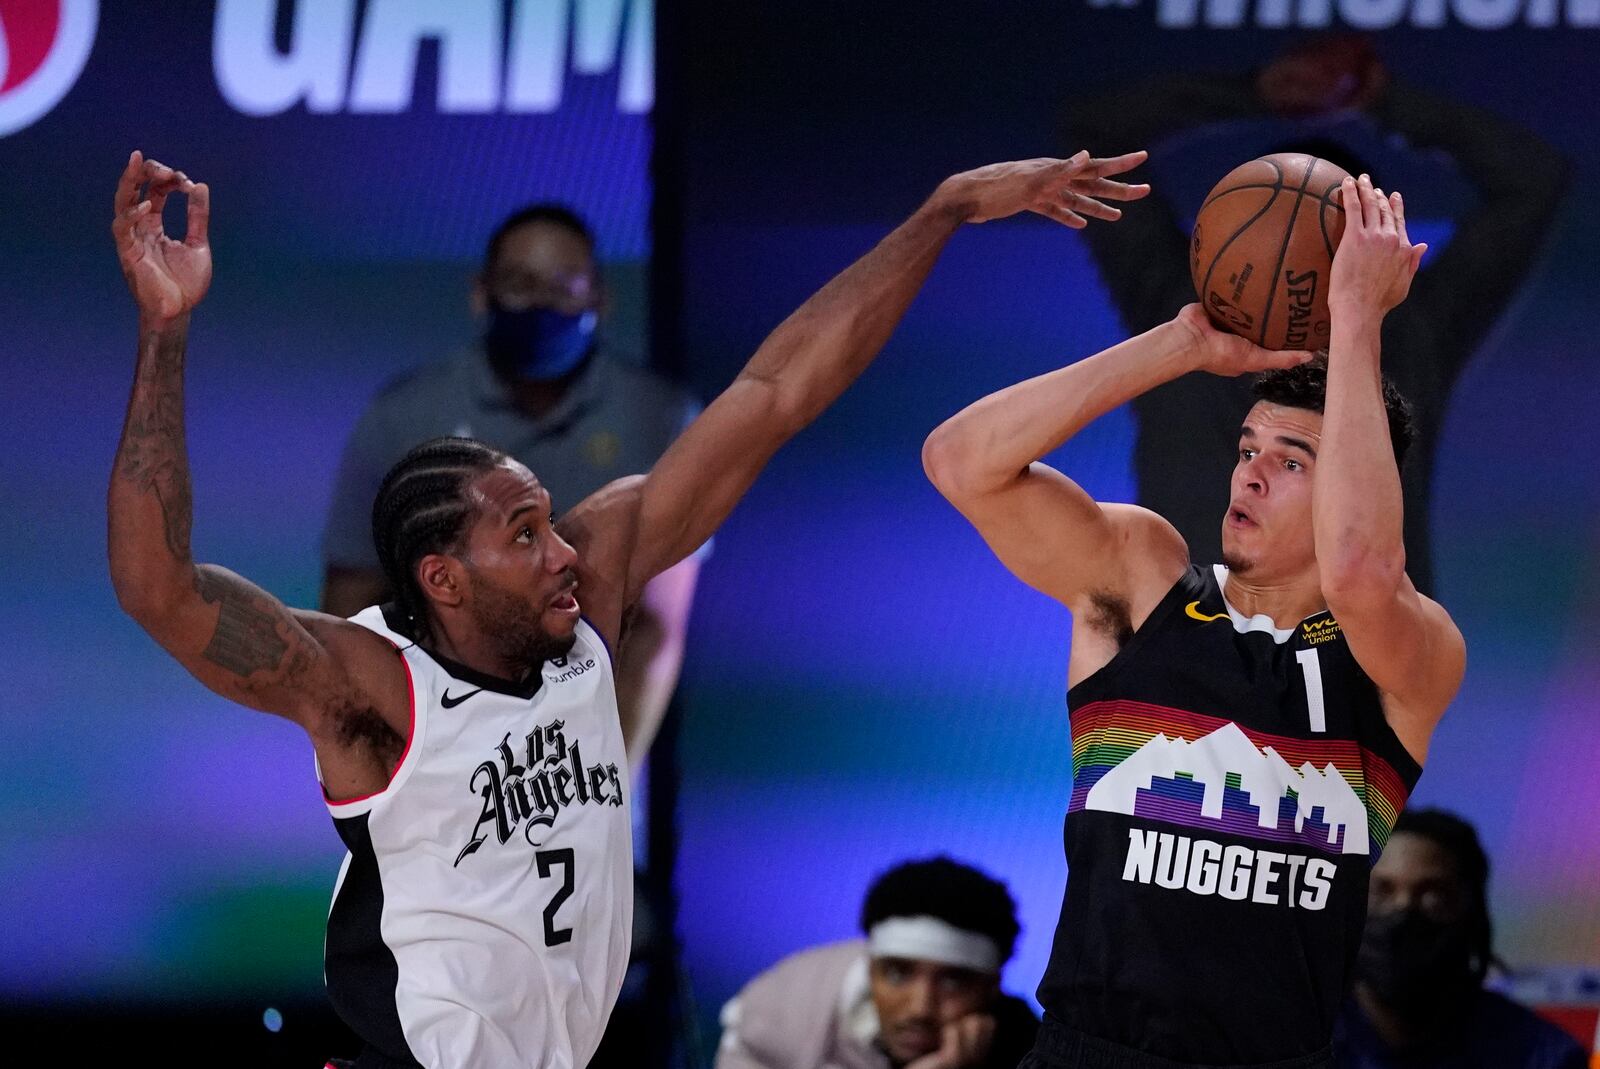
(1262, 248)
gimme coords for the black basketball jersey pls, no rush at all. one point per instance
(1232, 785)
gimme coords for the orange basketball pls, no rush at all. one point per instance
(1263, 246)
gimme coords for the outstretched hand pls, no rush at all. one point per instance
(1375, 261)
(1069, 191)
(167, 277)
(1224, 353)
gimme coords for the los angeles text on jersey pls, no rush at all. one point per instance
(1204, 867)
(531, 793)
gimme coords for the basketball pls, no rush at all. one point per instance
(1263, 246)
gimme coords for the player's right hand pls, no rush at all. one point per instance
(964, 1044)
(1070, 191)
(1223, 353)
(167, 277)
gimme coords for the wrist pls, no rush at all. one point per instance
(155, 323)
(953, 200)
(1186, 344)
(1354, 315)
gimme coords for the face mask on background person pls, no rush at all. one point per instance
(1417, 964)
(539, 343)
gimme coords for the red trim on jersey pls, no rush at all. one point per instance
(411, 735)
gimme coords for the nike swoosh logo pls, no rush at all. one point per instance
(450, 703)
(1193, 611)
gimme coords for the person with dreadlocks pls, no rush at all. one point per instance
(1419, 1000)
(466, 736)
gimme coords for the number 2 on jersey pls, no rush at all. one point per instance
(1313, 673)
(545, 859)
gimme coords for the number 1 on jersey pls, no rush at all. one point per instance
(1313, 672)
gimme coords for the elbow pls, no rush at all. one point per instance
(948, 461)
(145, 604)
(1356, 579)
(147, 598)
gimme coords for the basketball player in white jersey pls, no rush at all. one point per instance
(466, 736)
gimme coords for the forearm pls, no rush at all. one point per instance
(1357, 514)
(988, 444)
(816, 353)
(149, 503)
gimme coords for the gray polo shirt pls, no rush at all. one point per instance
(616, 420)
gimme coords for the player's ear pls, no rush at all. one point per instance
(441, 578)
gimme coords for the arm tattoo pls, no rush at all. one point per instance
(246, 639)
(153, 457)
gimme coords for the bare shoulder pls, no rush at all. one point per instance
(366, 674)
(604, 528)
(1446, 654)
(1433, 680)
(1150, 556)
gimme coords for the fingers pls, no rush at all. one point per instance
(1116, 164)
(1268, 359)
(1088, 206)
(163, 181)
(1418, 251)
(1351, 198)
(128, 184)
(199, 221)
(1061, 213)
(1397, 204)
(124, 230)
(1380, 201)
(1106, 189)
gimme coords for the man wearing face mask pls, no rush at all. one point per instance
(541, 385)
(1419, 1001)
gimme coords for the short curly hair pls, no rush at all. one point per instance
(1306, 386)
(942, 887)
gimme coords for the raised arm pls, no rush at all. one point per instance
(819, 350)
(1405, 642)
(231, 635)
(1043, 526)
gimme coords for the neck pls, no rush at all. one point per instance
(1286, 601)
(536, 398)
(470, 647)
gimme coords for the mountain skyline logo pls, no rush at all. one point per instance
(1222, 780)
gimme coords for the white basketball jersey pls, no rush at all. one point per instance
(483, 914)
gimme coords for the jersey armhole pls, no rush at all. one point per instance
(1190, 584)
(352, 807)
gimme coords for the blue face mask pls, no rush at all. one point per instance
(539, 343)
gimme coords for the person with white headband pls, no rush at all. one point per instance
(921, 991)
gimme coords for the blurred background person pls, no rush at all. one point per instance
(1419, 1000)
(921, 991)
(1330, 96)
(541, 385)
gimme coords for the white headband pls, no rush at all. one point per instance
(932, 939)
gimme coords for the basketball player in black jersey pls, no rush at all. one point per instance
(490, 584)
(1244, 734)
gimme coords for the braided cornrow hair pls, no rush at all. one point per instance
(422, 508)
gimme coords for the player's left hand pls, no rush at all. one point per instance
(1070, 191)
(1375, 263)
(964, 1044)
